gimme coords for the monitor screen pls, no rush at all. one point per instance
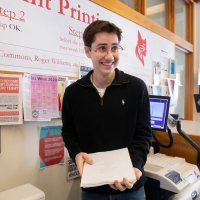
(159, 107)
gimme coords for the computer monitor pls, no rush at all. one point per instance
(159, 107)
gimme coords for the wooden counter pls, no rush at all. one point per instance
(180, 147)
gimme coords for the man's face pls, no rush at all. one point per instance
(104, 53)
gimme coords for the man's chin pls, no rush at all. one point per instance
(108, 67)
(108, 71)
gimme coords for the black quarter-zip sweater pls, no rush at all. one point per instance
(120, 119)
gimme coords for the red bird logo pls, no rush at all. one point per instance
(140, 50)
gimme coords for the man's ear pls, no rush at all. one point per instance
(87, 51)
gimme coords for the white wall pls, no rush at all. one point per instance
(19, 163)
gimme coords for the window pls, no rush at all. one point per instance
(180, 58)
(130, 3)
(180, 22)
(156, 10)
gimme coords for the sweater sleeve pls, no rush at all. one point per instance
(68, 129)
(141, 142)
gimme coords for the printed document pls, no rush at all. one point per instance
(108, 166)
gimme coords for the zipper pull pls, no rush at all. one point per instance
(101, 101)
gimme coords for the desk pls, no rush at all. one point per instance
(180, 147)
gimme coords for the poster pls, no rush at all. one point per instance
(55, 44)
(44, 99)
(69, 82)
(83, 70)
(51, 146)
(27, 99)
(10, 99)
(61, 83)
(40, 98)
(72, 169)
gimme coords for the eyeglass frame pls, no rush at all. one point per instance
(106, 51)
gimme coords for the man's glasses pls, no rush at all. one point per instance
(104, 50)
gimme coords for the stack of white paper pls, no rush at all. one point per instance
(108, 166)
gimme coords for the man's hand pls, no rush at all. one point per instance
(126, 184)
(80, 159)
(138, 173)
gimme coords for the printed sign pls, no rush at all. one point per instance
(11, 99)
(51, 146)
(47, 37)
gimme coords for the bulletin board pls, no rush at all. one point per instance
(46, 37)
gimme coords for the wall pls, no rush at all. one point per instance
(19, 158)
(19, 163)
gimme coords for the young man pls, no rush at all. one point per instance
(107, 110)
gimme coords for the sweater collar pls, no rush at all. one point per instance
(119, 79)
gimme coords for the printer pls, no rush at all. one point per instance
(171, 178)
(23, 192)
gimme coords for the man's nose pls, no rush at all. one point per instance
(109, 53)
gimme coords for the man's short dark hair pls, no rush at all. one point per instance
(99, 26)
